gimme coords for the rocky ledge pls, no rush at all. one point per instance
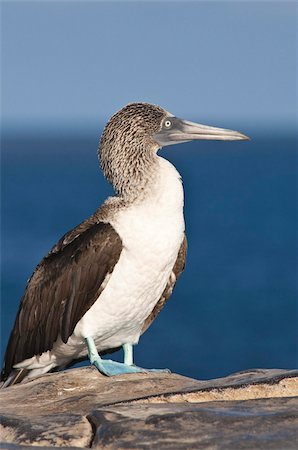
(79, 408)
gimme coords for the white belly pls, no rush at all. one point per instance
(151, 232)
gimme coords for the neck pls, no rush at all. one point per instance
(161, 192)
(130, 171)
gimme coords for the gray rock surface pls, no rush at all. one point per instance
(250, 424)
(79, 408)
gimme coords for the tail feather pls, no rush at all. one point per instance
(15, 377)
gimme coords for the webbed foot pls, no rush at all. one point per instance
(110, 368)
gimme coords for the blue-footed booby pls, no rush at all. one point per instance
(104, 282)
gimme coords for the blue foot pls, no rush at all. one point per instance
(109, 368)
(158, 370)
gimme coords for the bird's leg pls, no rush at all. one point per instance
(128, 354)
(128, 360)
(107, 366)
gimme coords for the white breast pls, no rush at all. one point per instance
(151, 232)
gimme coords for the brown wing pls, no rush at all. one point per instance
(176, 272)
(61, 290)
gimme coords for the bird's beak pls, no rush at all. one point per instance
(185, 131)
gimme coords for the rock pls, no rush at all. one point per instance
(80, 408)
(251, 424)
(55, 430)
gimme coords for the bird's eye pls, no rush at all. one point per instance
(167, 123)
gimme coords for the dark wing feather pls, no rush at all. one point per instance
(61, 290)
(176, 272)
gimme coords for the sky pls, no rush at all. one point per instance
(73, 64)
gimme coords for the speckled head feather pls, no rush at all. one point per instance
(127, 150)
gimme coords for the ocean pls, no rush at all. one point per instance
(235, 306)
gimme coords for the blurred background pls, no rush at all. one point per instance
(68, 66)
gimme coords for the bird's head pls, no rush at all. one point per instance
(133, 135)
(134, 126)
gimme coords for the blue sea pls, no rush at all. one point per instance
(235, 306)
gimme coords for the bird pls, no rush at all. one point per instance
(105, 281)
